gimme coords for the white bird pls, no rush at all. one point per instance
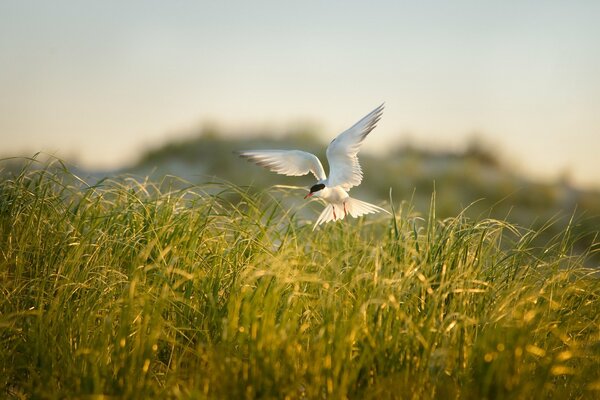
(344, 170)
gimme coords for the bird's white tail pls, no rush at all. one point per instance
(352, 207)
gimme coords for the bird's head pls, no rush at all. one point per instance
(315, 190)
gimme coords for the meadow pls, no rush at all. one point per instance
(129, 288)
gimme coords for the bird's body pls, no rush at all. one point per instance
(335, 195)
(344, 169)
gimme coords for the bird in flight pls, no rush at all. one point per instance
(344, 170)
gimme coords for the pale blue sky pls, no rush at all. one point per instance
(101, 80)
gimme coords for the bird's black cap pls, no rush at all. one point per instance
(317, 187)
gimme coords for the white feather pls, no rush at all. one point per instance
(287, 162)
(356, 208)
(327, 216)
(353, 207)
(342, 152)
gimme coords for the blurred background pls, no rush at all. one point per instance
(493, 102)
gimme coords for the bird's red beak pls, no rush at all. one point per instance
(309, 195)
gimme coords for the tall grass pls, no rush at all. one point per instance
(128, 289)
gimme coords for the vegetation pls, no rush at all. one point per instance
(135, 289)
(474, 182)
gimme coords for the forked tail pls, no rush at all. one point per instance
(350, 206)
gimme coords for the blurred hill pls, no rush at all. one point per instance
(475, 179)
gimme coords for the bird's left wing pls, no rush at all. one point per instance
(287, 162)
(344, 169)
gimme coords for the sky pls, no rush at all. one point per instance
(99, 81)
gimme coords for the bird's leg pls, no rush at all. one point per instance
(345, 212)
(334, 216)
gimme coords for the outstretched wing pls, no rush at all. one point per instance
(286, 162)
(344, 169)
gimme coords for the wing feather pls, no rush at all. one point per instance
(286, 162)
(342, 152)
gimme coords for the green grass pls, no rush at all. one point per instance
(130, 291)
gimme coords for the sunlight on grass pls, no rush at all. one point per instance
(126, 288)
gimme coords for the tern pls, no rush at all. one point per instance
(344, 170)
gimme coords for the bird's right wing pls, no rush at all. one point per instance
(287, 162)
(344, 168)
